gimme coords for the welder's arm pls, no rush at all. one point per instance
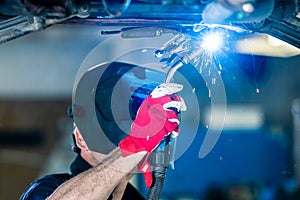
(100, 181)
(154, 121)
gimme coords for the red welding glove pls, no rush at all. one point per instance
(156, 118)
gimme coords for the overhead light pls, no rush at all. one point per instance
(265, 45)
(273, 41)
(237, 117)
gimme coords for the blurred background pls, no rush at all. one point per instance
(37, 76)
(256, 157)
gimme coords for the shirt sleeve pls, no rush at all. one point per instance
(44, 187)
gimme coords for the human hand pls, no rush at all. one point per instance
(156, 118)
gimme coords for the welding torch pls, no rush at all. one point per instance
(163, 156)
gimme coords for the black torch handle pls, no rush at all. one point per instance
(159, 160)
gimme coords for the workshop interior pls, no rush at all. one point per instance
(238, 62)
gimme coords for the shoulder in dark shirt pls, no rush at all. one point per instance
(44, 187)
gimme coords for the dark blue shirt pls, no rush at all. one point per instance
(45, 186)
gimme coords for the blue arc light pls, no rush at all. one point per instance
(212, 41)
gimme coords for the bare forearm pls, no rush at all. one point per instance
(120, 189)
(100, 181)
